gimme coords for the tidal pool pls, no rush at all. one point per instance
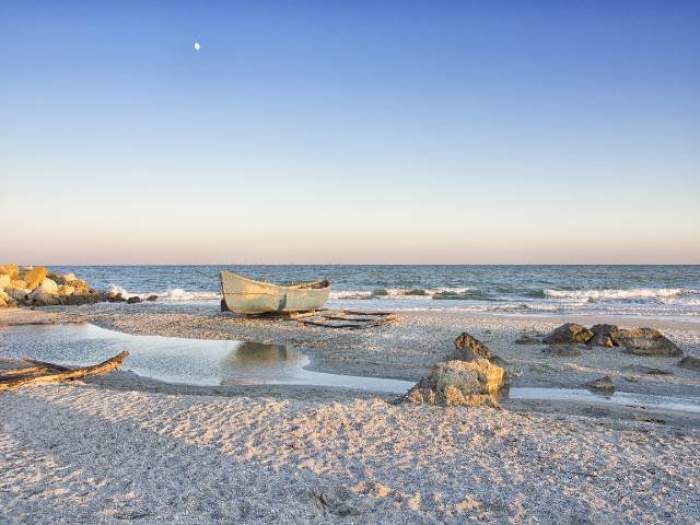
(685, 404)
(211, 362)
(179, 360)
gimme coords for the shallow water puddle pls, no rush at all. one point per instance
(177, 360)
(686, 404)
(210, 362)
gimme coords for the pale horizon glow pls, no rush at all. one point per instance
(396, 134)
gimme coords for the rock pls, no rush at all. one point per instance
(67, 278)
(570, 350)
(415, 291)
(459, 383)
(38, 287)
(78, 299)
(18, 283)
(568, 333)
(380, 292)
(649, 342)
(5, 281)
(133, 299)
(690, 362)
(6, 300)
(38, 298)
(526, 339)
(9, 269)
(152, 298)
(605, 335)
(114, 297)
(34, 276)
(66, 289)
(18, 294)
(48, 286)
(604, 384)
(468, 347)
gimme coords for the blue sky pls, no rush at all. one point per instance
(331, 132)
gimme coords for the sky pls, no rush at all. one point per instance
(349, 132)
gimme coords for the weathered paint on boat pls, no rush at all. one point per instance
(246, 296)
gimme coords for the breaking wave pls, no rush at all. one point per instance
(401, 293)
(180, 295)
(614, 294)
(173, 295)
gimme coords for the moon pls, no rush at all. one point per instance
(196, 46)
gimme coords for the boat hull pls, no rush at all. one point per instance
(247, 296)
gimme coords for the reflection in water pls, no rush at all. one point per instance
(179, 360)
(257, 363)
(258, 354)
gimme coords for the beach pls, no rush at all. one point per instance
(350, 263)
(123, 448)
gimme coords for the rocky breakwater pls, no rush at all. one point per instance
(471, 377)
(36, 286)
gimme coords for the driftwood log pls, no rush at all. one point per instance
(55, 373)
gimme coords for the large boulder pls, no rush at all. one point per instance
(78, 299)
(468, 347)
(6, 300)
(605, 335)
(9, 269)
(81, 287)
(459, 383)
(48, 286)
(39, 298)
(649, 342)
(114, 297)
(67, 278)
(5, 281)
(34, 276)
(66, 289)
(18, 294)
(18, 283)
(568, 333)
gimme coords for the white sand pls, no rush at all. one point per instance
(122, 451)
(84, 454)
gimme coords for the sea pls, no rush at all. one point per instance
(656, 291)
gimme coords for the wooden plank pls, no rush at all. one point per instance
(76, 373)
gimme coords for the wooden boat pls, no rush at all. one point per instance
(246, 296)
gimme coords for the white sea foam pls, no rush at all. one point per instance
(115, 289)
(614, 294)
(393, 293)
(174, 295)
(180, 295)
